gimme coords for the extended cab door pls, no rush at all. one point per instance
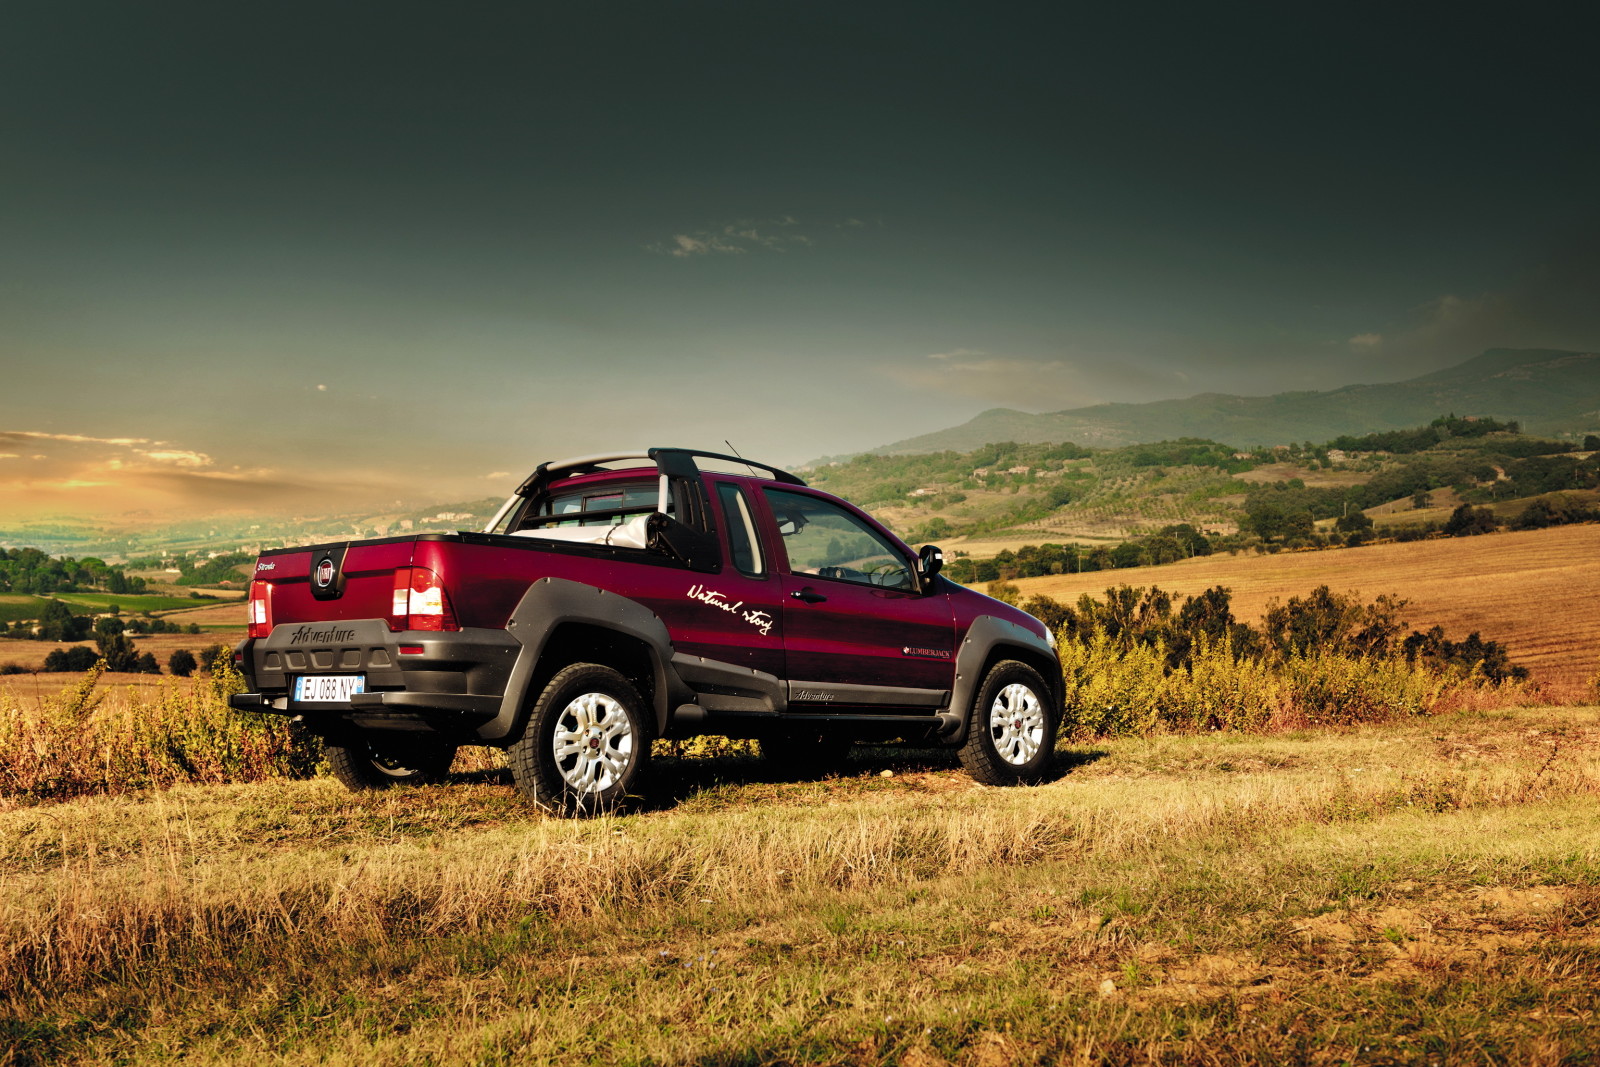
(858, 635)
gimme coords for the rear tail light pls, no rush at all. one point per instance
(260, 620)
(420, 602)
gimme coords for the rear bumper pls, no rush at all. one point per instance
(483, 706)
(450, 682)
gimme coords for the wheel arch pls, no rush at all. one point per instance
(560, 622)
(990, 640)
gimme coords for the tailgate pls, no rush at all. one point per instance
(319, 583)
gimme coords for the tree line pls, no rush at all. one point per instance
(1278, 510)
(1167, 545)
(1422, 438)
(28, 570)
(58, 623)
(118, 654)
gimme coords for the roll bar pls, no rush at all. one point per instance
(669, 462)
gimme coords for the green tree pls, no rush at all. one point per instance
(1353, 522)
(214, 656)
(182, 663)
(1005, 592)
(76, 658)
(117, 649)
(1468, 521)
(57, 623)
(1325, 621)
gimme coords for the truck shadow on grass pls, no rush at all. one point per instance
(677, 781)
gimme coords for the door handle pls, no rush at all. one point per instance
(809, 595)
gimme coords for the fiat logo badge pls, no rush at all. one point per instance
(325, 574)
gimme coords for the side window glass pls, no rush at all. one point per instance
(743, 544)
(829, 542)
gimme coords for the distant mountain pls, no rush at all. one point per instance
(1548, 391)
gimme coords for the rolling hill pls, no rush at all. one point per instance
(1547, 391)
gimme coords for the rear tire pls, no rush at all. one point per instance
(1011, 729)
(587, 744)
(362, 764)
(805, 754)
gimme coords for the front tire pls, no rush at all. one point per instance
(362, 764)
(586, 745)
(1011, 732)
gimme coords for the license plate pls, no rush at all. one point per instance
(328, 688)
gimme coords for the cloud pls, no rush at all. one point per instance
(112, 453)
(111, 474)
(30, 435)
(1366, 341)
(495, 476)
(736, 239)
(1035, 384)
(176, 457)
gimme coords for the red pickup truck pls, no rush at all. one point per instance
(617, 599)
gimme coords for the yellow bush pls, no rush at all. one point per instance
(1113, 690)
(1218, 692)
(90, 740)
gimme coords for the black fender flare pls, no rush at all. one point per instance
(987, 635)
(551, 603)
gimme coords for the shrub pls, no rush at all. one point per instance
(215, 654)
(1467, 521)
(1005, 591)
(80, 743)
(1132, 665)
(76, 658)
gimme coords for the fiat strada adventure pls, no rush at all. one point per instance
(617, 599)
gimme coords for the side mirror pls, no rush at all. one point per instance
(929, 560)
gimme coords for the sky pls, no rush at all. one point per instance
(295, 257)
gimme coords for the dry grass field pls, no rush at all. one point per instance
(1537, 591)
(34, 688)
(1421, 893)
(228, 614)
(1424, 891)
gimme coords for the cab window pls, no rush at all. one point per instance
(601, 498)
(743, 545)
(825, 540)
